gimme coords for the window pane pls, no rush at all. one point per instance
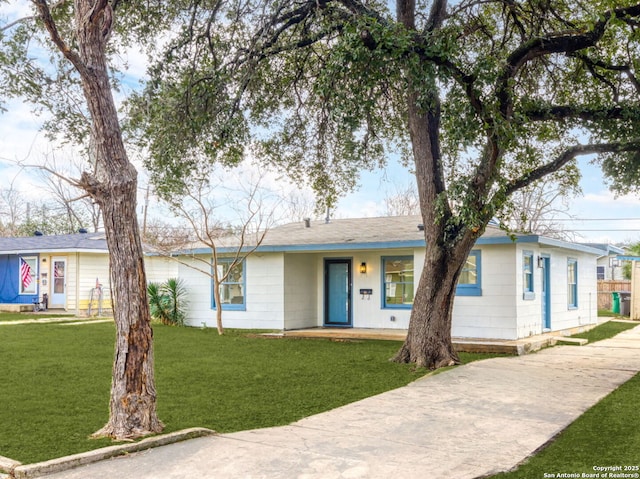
(398, 280)
(469, 273)
(27, 275)
(572, 283)
(231, 288)
(527, 267)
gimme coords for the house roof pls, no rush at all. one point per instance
(374, 233)
(79, 242)
(607, 248)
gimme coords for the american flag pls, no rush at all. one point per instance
(25, 273)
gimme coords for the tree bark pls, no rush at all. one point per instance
(114, 188)
(429, 343)
(216, 292)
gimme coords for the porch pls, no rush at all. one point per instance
(468, 345)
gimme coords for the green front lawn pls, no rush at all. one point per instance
(56, 379)
(605, 331)
(30, 315)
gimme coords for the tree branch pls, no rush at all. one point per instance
(567, 42)
(50, 25)
(566, 157)
(563, 112)
(30, 17)
(73, 182)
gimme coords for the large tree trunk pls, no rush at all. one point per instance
(428, 342)
(114, 187)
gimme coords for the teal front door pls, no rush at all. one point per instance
(337, 292)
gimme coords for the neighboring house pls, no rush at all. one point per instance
(66, 268)
(609, 267)
(363, 273)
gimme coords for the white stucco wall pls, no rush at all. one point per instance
(529, 311)
(160, 268)
(300, 291)
(491, 315)
(264, 295)
(286, 291)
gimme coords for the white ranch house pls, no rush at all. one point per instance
(362, 273)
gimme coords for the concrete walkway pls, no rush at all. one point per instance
(468, 422)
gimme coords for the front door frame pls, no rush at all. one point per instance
(347, 320)
(58, 300)
(546, 292)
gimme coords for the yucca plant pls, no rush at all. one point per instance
(167, 301)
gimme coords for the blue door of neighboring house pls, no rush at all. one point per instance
(337, 292)
(546, 292)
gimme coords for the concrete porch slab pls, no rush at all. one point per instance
(467, 345)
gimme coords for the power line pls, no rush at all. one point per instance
(610, 230)
(588, 219)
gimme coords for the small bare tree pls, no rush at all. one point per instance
(204, 202)
(403, 202)
(167, 237)
(75, 204)
(300, 204)
(540, 209)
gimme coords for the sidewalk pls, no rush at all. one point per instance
(468, 422)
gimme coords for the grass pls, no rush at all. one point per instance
(608, 434)
(610, 314)
(23, 316)
(56, 379)
(605, 331)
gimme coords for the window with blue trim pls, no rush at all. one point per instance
(469, 283)
(233, 288)
(527, 273)
(397, 281)
(572, 283)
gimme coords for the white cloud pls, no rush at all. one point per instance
(608, 198)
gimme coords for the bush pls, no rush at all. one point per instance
(167, 301)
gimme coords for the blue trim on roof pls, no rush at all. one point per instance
(318, 247)
(542, 240)
(483, 240)
(628, 258)
(606, 248)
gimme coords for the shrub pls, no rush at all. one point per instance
(167, 301)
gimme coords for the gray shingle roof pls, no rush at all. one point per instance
(347, 231)
(367, 233)
(94, 242)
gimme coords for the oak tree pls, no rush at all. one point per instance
(482, 98)
(69, 78)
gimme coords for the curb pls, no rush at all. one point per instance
(37, 469)
(7, 465)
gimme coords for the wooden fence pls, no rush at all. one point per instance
(605, 288)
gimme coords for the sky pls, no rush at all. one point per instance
(597, 215)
